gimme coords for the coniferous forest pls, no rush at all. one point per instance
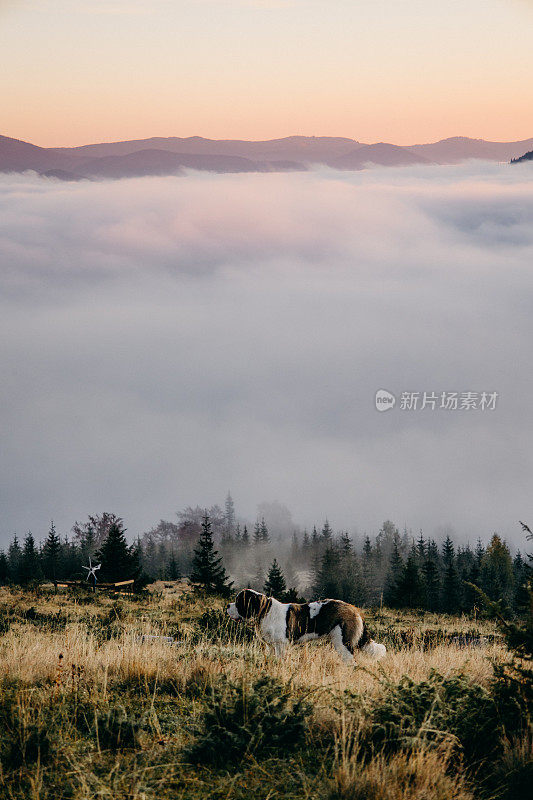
(392, 568)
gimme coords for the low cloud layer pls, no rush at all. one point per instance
(166, 339)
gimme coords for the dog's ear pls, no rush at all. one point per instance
(246, 603)
(252, 605)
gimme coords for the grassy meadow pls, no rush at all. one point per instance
(89, 708)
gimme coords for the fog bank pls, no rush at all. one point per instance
(164, 340)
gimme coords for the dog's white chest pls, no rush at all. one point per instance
(273, 628)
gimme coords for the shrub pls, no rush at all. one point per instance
(116, 730)
(261, 719)
(435, 709)
(512, 777)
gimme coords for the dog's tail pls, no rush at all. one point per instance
(369, 646)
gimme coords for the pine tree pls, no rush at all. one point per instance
(431, 573)
(51, 554)
(229, 515)
(465, 562)
(346, 543)
(394, 576)
(259, 576)
(30, 566)
(327, 534)
(480, 552)
(14, 556)
(369, 571)
(470, 592)
(245, 537)
(173, 572)
(421, 549)
(150, 559)
(136, 571)
(497, 572)
(451, 588)
(522, 574)
(264, 531)
(315, 539)
(351, 585)
(207, 568)
(117, 559)
(327, 579)
(258, 536)
(71, 558)
(4, 569)
(410, 589)
(275, 585)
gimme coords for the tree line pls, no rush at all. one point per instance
(392, 568)
(102, 538)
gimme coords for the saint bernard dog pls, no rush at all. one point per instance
(282, 623)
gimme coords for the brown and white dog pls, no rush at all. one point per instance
(282, 623)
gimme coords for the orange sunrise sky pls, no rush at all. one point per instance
(405, 71)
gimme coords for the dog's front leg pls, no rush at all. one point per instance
(279, 648)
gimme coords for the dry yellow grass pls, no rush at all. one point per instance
(31, 655)
(101, 648)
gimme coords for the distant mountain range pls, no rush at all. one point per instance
(172, 156)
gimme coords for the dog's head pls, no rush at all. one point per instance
(249, 604)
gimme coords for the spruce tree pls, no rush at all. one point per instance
(497, 579)
(410, 588)
(346, 543)
(258, 536)
(327, 579)
(173, 572)
(4, 569)
(394, 576)
(369, 571)
(315, 539)
(264, 531)
(117, 559)
(421, 549)
(229, 516)
(30, 566)
(522, 574)
(51, 554)
(207, 568)
(351, 584)
(14, 556)
(245, 537)
(327, 533)
(259, 576)
(275, 585)
(451, 588)
(431, 573)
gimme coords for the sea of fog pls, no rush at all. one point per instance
(163, 340)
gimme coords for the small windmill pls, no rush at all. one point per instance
(91, 573)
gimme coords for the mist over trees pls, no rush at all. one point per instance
(273, 554)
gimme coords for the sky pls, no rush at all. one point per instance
(163, 340)
(406, 71)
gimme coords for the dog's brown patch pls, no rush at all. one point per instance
(331, 614)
